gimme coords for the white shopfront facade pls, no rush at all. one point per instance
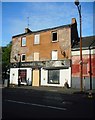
(55, 77)
(47, 73)
(26, 73)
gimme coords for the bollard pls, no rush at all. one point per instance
(90, 95)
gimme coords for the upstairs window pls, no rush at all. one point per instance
(23, 57)
(54, 36)
(36, 56)
(23, 41)
(54, 55)
(37, 39)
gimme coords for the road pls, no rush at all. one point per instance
(27, 103)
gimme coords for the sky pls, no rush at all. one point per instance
(42, 15)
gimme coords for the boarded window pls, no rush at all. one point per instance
(36, 56)
(37, 39)
(75, 68)
(84, 69)
(54, 55)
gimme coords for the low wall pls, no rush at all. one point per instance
(86, 83)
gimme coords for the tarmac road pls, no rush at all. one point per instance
(29, 103)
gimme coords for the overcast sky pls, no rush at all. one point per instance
(42, 15)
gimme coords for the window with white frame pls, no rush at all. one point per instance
(23, 57)
(23, 41)
(54, 36)
(54, 55)
(37, 39)
(36, 56)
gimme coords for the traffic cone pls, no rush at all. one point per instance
(90, 95)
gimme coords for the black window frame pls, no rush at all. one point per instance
(49, 82)
(23, 55)
(54, 36)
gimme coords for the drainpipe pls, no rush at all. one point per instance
(90, 66)
(90, 69)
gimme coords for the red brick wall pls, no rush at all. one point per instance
(86, 65)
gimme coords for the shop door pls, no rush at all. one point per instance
(22, 74)
(35, 77)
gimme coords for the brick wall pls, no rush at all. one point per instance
(86, 65)
(45, 47)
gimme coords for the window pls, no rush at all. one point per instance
(54, 36)
(75, 68)
(23, 42)
(36, 56)
(54, 55)
(53, 76)
(23, 57)
(37, 39)
(84, 69)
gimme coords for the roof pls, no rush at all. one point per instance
(43, 30)
(87, 42)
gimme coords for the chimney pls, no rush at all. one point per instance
(27, 30)
(74, 20)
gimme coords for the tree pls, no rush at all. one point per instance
(6, 51)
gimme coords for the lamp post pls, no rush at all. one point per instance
(81, 62)
(19, 64)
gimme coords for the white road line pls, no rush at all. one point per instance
(66, 102)
(39, 105)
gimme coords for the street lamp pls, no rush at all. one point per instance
(81, 62)
(19, 62)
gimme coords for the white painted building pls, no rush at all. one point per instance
(64, 75)
(14, 75)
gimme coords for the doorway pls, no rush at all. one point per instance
(35, 77)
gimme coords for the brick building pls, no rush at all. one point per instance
(88, 56)
(43, 58)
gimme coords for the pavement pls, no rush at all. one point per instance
(55, 89)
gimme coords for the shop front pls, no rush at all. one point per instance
(56, 73)
(42, 73)
(24, 73)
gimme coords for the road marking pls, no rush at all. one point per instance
(66, 102)
(39, 105)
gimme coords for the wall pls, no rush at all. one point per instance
(45, 47)
(14, 75)
(86, 69)
(65, 74)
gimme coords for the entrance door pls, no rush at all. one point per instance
(35, 77)
(22, 74)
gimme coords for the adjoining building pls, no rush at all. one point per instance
(88, 56)
(43, 58)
